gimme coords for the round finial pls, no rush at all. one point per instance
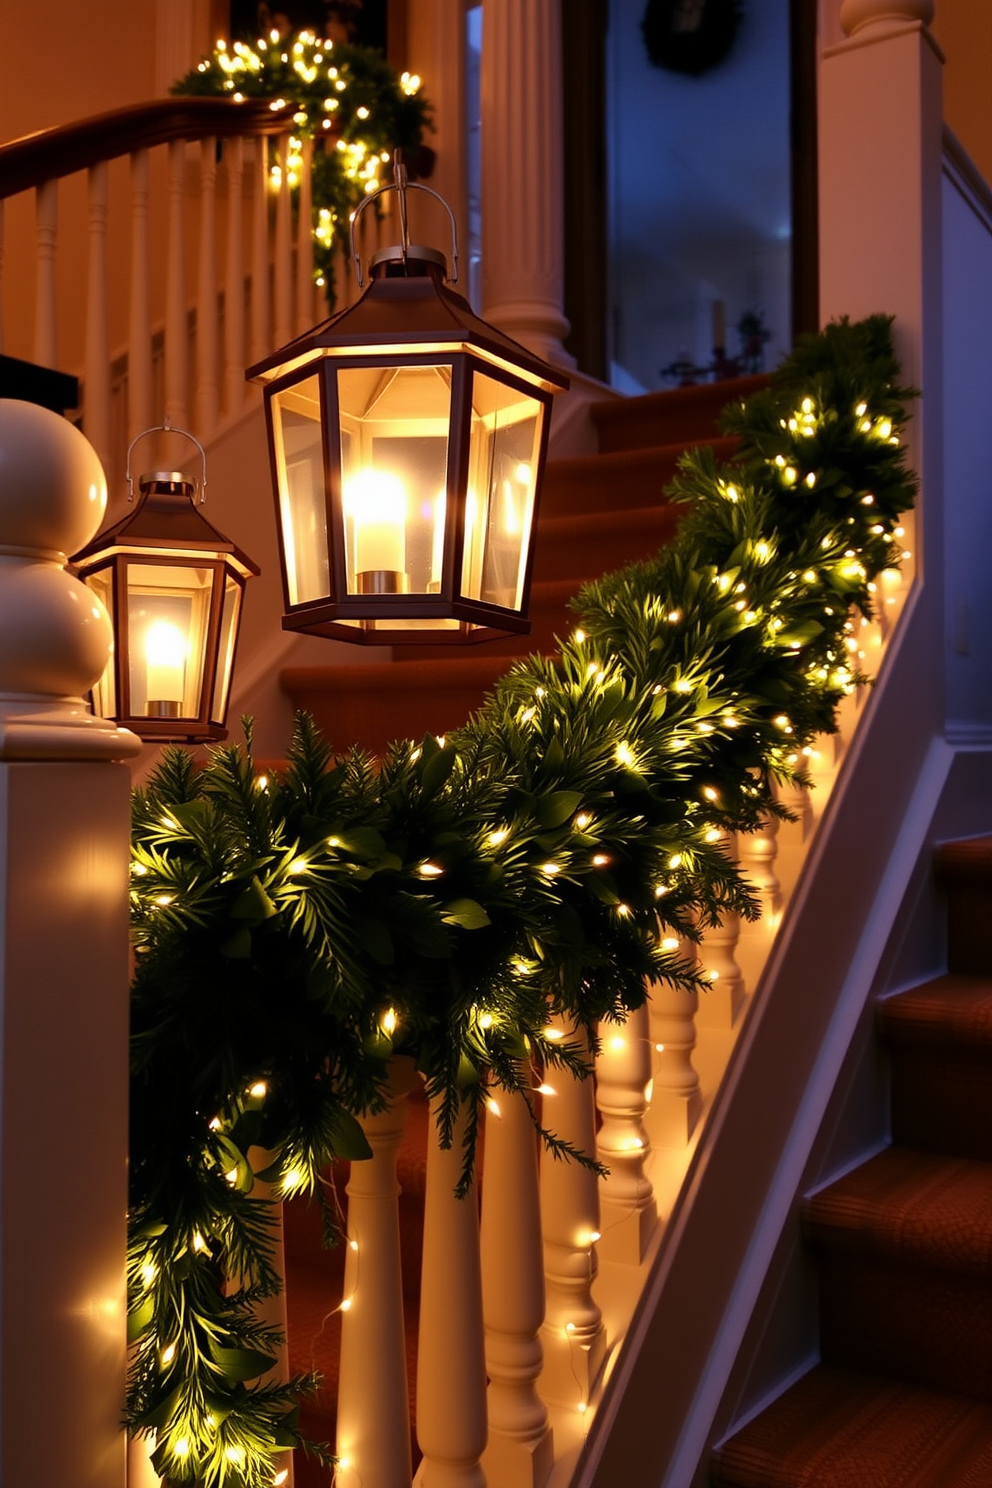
(53, 492)
(856, 14)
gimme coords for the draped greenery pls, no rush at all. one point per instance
(553, 856)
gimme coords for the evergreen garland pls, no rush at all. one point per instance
(292, 934)
(348, 94)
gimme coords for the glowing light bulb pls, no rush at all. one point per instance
(345, 1304)
(258, 1089)
(165, 666)
(376, 502)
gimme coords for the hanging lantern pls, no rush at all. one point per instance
(408, 440)
(173, 586)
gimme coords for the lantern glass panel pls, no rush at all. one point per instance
(105, 690)
(302, 508)
(394, 457)
(225, 650)
(499, 508)
(168, 608)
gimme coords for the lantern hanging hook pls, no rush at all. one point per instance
(166, 427)
(401, 185)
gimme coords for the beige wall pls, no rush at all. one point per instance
(964, 30)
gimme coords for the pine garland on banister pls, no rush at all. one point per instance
(293, 933)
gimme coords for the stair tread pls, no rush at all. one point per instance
(614, 462)
(951, 1011)
(690, 414)
(457, 671)
(837, 1428)
(967, 860)
(917, 1208)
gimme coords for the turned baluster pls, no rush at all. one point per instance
(46, 231)
(260, 299)
(206, 293)
(676, 1096)
(519, 1452)
(176, 324)
(451, 1367)
(373, 1433)
(623, 1075)
(283, 250)
(97, 359)
(304, 244)
(721, 1003)
(234, 283)
(573, 1336)
(757, 856)
(139, 347)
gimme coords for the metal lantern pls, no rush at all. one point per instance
(408, 439)
(173, 586)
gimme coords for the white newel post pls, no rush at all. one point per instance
(573, 1335)
(451, 1368)
(623, 1077)
(373, 1440)
(64, 826)
(522, 203)
(519, 1453)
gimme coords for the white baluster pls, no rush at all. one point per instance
(573, 1336)
(304, 244)
(519, 1453)
(676, 1097)
(46, 229)
(283, 250)
(272, 1310)
(176, 321)
(96, 406)
(720, 1005)
(139, 351)
(206, 294)
(373, 1433)
(234, 283)
(140, 1473)
(451, 1369)
(757, 854)
(623, 1075)
(261, 343)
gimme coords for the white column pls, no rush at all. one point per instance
(206, 294)
(519, 1453)
(522, 205)
(757, 853)
(176, 323)
(451, 1367)
(623, 1074)
(234, 282)
(373, 1441)
(721, 1003)
(46, 230)
(676, 1096)
(64, 828)
(573, 1335)
(139, 353)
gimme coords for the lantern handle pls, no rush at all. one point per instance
(402, 185)
(166, 428)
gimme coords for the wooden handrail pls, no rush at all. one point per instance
(52, 153)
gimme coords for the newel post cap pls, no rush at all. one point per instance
(856, 14)
(55, 635)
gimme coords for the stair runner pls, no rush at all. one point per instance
(597, 512)
(903, 1395)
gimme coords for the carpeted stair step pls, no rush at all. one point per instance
(584, 546)
(964, 870)
(840, 1429)
(904, 1245)
(940, 1048)
(624, 478)
(689, 415)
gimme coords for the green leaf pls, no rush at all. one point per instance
(359, 842)
(241, 1363)
(467, 913)
(140, 1320)
(435, 770)
(254, 904)
(237, 947)
(348, 1138)
(555, 809)
(600, 886)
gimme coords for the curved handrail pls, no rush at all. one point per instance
(60, 151)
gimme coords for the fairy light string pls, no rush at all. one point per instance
(468, 896)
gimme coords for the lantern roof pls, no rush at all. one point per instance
(408, 307)
(164, 514)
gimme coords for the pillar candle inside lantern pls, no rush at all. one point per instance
(376, 500)
(165, 660)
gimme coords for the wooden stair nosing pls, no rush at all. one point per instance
(581, 482)
(690, 414)
(968, 860)
(953, 1011)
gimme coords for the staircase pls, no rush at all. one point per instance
(597, 513)
(903, 1395)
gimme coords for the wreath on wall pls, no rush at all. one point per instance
(292, 933)
(690, 36)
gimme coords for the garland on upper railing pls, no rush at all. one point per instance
(351, 92)
(292, 933)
